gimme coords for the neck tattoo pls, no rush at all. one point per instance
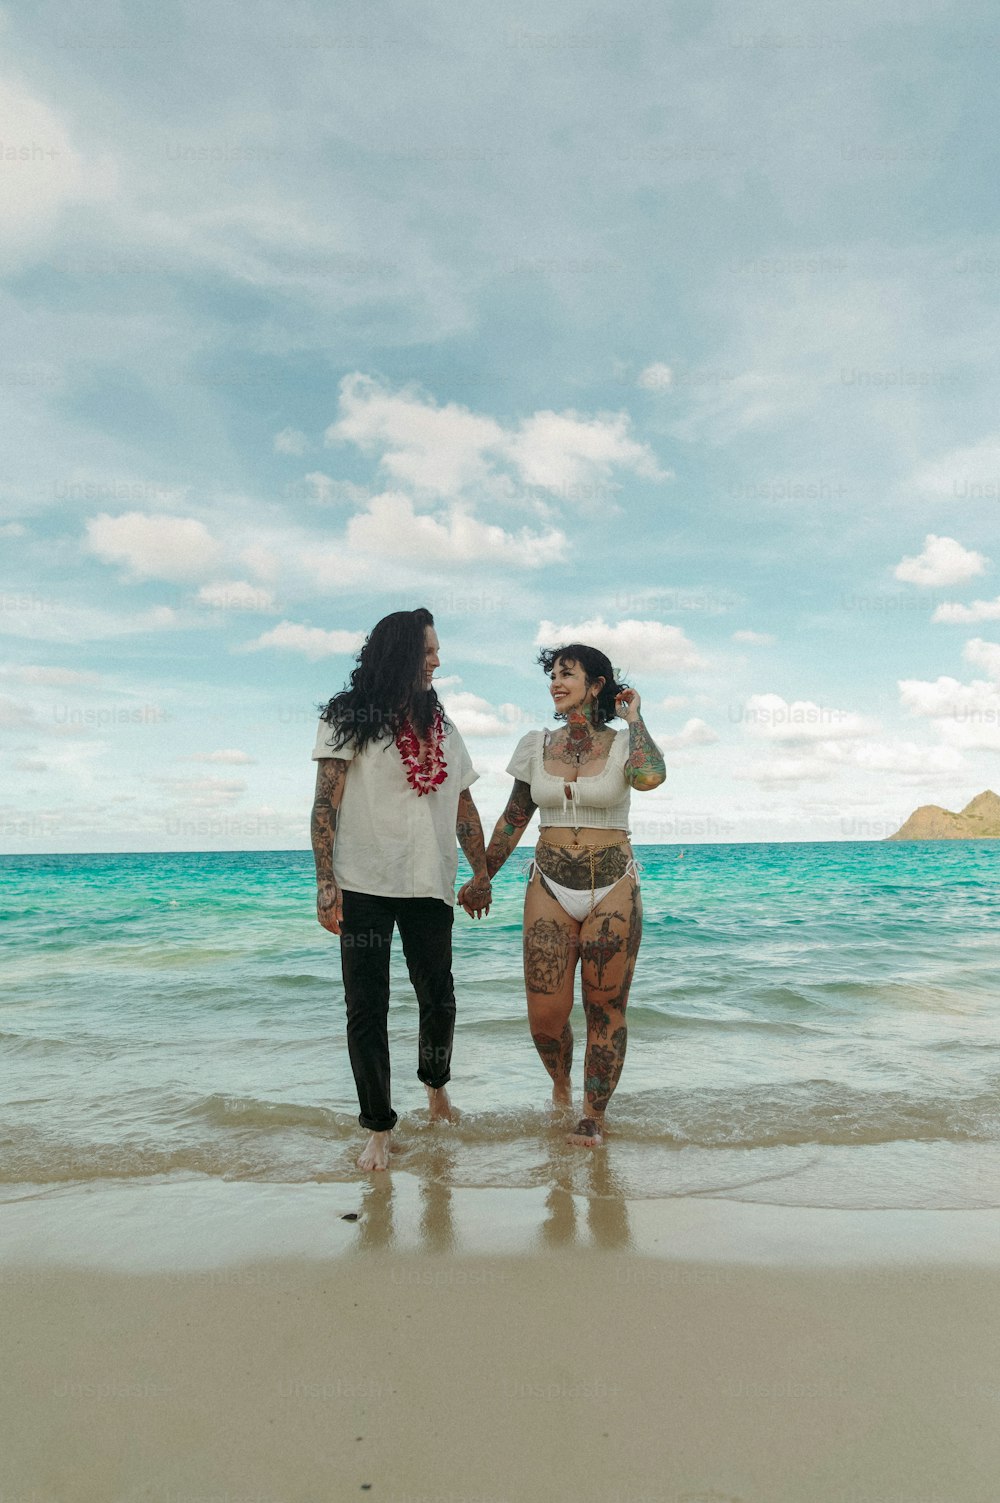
(579, 736)
(579, 745)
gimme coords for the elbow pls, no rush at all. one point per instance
(648, 781)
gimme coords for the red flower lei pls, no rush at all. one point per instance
(423, 777)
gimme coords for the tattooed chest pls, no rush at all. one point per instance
(561, 753)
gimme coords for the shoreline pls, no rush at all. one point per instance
(225, 1342)
(201, 1222)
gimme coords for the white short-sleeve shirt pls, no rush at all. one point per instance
(594, 801)
(392, 841)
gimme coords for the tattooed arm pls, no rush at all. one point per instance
(510, 826)
(330, 775)
(475, 895)
(645, 767)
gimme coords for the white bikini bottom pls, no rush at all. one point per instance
(580, 902)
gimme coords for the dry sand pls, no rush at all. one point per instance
(209, 1343)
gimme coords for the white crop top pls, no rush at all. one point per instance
(595, 801)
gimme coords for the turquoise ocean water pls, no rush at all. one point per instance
(814, 1024)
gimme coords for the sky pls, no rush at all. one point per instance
(672, 328)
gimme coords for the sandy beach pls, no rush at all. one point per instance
(187, 1342)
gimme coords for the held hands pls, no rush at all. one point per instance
(476, 896)
(627, 705)
(329, 906)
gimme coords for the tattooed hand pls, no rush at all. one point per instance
(645, 767)
(329, 906)
(476, 896)
(627, 705)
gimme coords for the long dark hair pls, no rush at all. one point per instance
(595, 665)
(387, 685)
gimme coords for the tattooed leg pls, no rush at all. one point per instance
(557, 1057)
(602, 947)
(550, 956)
(606, 982)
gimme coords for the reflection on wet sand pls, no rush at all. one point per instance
(606, 1215)
(579, 1202)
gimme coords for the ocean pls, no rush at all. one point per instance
(810, 1024)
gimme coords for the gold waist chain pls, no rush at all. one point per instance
(592, 852)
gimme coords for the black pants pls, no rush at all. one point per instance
(425, 926)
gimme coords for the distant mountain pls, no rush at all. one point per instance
(979, 820)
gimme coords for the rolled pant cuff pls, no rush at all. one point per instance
(435, 1085)
(384, 1124)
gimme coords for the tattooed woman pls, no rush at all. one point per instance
(392, 792)
(582, 900)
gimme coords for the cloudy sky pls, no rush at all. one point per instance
(672, 327)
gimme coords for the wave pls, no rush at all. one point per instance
(247, 1137)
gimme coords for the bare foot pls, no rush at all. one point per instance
(562, 1094)
(438, 1103)
(587, 1134)
(375, 1154)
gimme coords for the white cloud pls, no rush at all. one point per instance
(965, 615)
(970, 473)
(438, 449)
(63, 678)
(972, 731)
(51, 621)
(966, 716)
(948, 699)
(475, 716)
(675, 702)
(236, 595)
(943, 562)
(562, 452)
(633, 646)
(312, 641)
(228, 756)
(290, 441)
(326, 490)
(655, 377)
(825, 758)
(785, 770)
(15, 716)
(391, 528)
(322, 486)
(261, 560)
(905, 757)
(13, 530)
(43, 172)
(204, 793)
(754, 638)
(984, 655)
(695, 732)
(153, 547)
(777, 719)
(448, 451)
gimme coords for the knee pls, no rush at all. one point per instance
(547, 1022)
(366, 1004)
(438, 999)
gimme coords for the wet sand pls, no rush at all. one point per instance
(188, 1342)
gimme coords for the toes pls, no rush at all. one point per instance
(587, 1134)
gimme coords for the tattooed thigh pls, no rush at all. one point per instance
(547, 953)
(609, 941)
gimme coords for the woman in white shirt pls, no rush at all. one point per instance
(582, 901)
(392, 793)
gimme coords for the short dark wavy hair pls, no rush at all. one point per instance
(386, 686)
(595, 665)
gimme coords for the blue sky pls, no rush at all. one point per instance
(673, 328)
